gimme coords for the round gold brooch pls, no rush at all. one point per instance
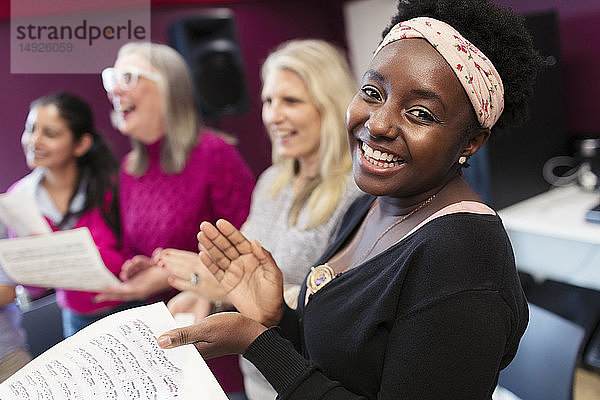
(319, 276)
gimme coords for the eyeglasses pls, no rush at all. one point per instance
(126, 78)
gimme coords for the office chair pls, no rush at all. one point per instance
(544, 366)
(577, 304)
(42, 323)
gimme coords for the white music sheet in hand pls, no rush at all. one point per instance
(19, 213)
(117, 358)
(65, 259)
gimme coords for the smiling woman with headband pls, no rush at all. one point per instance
(418, 296)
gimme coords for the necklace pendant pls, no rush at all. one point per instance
(319, 276)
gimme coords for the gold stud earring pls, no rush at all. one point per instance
(462, 160)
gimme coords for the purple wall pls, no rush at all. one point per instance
(261, 25)
(18, 90)
(580, 49)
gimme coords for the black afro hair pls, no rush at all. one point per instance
(500, 34)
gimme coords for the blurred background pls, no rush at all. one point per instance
(565, 110)
(225, 42)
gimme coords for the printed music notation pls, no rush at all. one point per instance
(117, 358)
(66, 259)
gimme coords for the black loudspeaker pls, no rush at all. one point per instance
(517, 157)
(208, 42)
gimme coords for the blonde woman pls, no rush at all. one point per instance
(298, 201)
(300, 198)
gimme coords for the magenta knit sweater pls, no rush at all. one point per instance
(165, 210)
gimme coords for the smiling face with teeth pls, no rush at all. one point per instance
(139, 111)
(291, 118)
(407, 124)
(48, 142)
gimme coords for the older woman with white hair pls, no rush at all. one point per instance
(177, 174)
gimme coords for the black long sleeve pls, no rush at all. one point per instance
(435, 316)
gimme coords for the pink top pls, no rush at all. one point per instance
(165, 210)
(103, 236)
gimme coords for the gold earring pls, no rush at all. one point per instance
(462, 160)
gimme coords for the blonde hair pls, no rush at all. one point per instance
(331, 86)
(180, 116)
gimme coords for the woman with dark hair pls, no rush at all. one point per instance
(74, 184)
(418, 296)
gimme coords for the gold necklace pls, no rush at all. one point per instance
(322, 274)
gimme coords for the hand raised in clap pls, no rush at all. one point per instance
(252, 281)
(246, 271)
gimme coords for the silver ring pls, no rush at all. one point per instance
(194, 278)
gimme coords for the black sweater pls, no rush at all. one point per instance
(436, 316)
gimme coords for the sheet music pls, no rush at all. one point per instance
(19, 213)
(117, 358)
(66, 259)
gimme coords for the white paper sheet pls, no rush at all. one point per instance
(184, 319)
(117, 358)
(19, 213)
(66, 259)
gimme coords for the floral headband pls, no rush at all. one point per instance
(474, 70)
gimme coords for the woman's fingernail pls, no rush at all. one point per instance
(164, 341)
